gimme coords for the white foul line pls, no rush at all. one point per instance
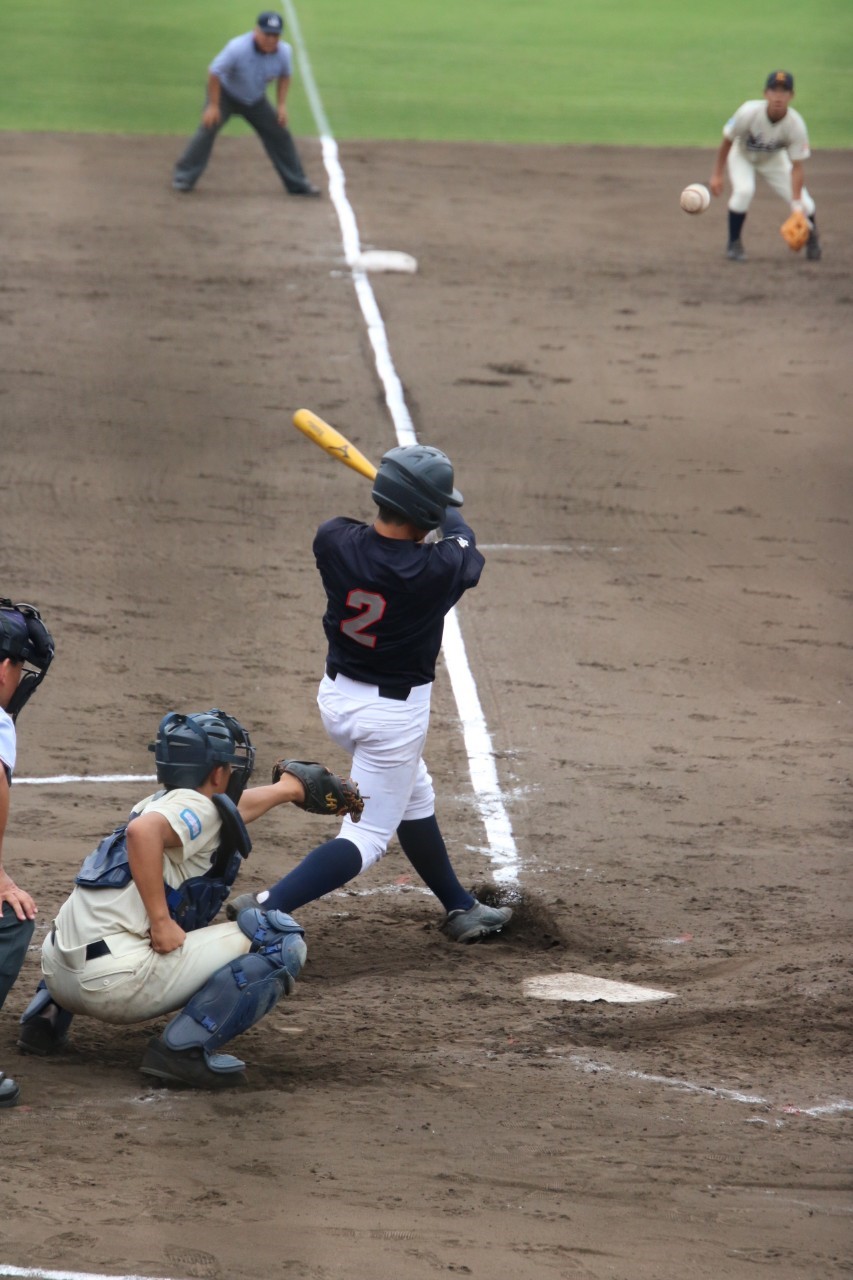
(36, 1274)
(59, 779)
(478, 743)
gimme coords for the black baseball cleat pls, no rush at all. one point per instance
(735, 251)
(192, 1068)
(308, 190)
(41, 1038)
(813, 249)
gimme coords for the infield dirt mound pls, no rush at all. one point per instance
(651, 443)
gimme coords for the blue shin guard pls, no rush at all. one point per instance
(236, 997)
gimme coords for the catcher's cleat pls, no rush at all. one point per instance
(242, 902)
(40, 1037)
(735, 251)
(9, 1090)
(193, 1067)
(476, 922)
(813, 249)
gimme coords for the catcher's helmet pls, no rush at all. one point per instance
(416, 481)
(188, 747)
(24, 638)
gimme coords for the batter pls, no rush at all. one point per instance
(387, 593)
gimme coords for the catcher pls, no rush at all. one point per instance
(136, 938)
(769, 137)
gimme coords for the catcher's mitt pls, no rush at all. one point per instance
(325, 792)
(795, 230)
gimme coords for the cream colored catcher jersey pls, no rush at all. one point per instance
(758, 138)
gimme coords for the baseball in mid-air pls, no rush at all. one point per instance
(695, 198)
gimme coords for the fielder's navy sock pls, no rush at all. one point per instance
(422, 843)
(325, 868)
(736, 221)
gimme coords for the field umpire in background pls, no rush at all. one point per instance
(236, 85)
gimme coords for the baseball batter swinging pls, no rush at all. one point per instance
(387, 594)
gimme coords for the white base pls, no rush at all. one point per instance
(385, 260)
(579, 986)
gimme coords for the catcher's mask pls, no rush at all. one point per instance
(24, 638)
(188, 747)
(416, 481)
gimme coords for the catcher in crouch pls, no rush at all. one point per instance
(135, 939)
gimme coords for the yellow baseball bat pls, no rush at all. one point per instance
(331, 440)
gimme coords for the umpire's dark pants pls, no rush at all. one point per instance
(278, 143)
(15, 937)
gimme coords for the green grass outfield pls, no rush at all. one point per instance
(638, 72)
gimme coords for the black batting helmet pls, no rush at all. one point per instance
(416, 481)
(24, 638)
(189, 746)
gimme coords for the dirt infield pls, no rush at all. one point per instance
(652, 444)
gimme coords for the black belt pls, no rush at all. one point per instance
(399, 693)
(95, 950)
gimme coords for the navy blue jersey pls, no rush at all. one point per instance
(387, 597)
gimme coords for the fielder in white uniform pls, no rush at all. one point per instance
(769, 137)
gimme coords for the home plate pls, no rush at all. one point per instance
(385, 260)
(579, 986)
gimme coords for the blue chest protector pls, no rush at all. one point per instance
(197, 901)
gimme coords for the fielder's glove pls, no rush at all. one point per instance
(795, 230)
(325, 792)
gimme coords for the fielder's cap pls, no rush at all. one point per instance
(270, 22)
(780, 80)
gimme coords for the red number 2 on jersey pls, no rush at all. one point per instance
(372, 608)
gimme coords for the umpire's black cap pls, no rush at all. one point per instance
(780, 80)
(270, 22)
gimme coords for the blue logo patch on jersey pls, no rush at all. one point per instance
(192, 822)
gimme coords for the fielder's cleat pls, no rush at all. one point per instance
(192, 1067)
(476, 922)
(9, 1090)
(813, 249)
(735, 251)
(40, 1037)
(242, 902)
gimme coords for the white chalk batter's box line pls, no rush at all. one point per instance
(819, 1111)
(35, 1273)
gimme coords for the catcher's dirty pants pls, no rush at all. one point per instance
(132, 982)
(278, 143)
(15, 937)
(775, 170)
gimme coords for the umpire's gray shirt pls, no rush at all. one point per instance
(244, 71)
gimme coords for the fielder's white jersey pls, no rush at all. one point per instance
(90, 914)
(757, 137)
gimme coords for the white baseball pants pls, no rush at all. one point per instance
(776, 171)
(385, 739)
